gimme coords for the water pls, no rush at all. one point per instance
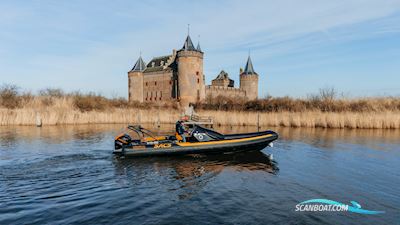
(67, 175)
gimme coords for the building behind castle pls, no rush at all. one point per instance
(179, 77)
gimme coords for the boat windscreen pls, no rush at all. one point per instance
(213, 134)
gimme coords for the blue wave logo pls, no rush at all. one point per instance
(355, 207)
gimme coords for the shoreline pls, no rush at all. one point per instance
(309, 119)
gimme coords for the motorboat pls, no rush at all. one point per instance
(199, 140)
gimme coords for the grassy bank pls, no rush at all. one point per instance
(55, 107)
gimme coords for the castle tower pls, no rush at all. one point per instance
(135, 81)
(190, 73)
(249, 81)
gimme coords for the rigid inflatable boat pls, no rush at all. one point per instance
(200, 140)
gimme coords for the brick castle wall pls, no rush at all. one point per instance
(157, 86)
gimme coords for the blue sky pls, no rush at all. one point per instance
(296, 47)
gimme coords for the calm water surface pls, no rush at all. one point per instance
(67, 175)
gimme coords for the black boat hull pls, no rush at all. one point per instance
(251, 142)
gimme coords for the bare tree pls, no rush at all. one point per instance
(327, 94)
(52, 92)
(9, 96)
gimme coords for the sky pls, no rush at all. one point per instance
(297, 47)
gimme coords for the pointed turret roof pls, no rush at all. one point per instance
(139, 66)
(198, 47)
(188, 45)
(249, 67)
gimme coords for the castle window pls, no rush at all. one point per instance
(197, 73)
(198, 80)
(155, 83)
(170, 82)
(146, 83)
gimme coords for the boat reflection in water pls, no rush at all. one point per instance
(191, 172)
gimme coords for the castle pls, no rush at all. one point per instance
(179, 77)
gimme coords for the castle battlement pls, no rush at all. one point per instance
(184, 53)
(231, 92)
(220, 88)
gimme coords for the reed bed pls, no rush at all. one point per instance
(54, 107)
(52, 116)
(63, 110)
(372, 120)
(58, 117)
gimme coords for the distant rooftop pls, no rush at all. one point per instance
(222, 75)
(157, 63)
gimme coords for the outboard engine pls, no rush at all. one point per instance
(122, 140)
